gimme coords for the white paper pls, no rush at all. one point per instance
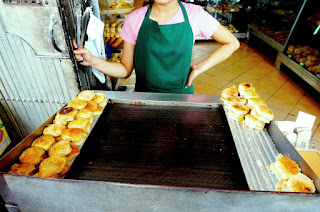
(286, 126)
(95, 42)
(305, 120)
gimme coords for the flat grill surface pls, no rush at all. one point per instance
(161, 145)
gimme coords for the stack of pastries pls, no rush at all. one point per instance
(289, 176)
(50, 155)
(244, 105)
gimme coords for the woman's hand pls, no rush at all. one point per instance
(82, 54)
(194, 72)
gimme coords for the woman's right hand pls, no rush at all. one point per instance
(82, 54)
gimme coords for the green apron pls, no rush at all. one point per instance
(162, 56)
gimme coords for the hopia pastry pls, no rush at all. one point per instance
(260, 118)
(74, 152)
(44, 141)
(54, 130)
(23, 169)
(239, 110)
(249, 94)
(76, 135)
(235, 117)
(97, 112)
(66, 168)
(99, 97)
(33, 155)
(246, 86)
(296, 183)
(66, 114)
(92, 105)
(54, 164)
(265, 112)
(84, 113)
(229, 92)
(61, 148)
(57, 121)
(284, 167)
(234, 100)
(253, 102)
(86, 95)
(80, 123)
(253, 122)
(46, 174)
(77, 104)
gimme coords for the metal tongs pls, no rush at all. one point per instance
(84, 26)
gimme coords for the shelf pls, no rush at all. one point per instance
(274, 44)
(300, 71)
(238, 35)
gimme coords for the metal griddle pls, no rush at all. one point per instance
(174, 145)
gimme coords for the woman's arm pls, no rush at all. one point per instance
(118, 70)
(229, 45)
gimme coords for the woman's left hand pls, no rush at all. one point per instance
(194, 72)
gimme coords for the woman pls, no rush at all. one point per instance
(158, 43)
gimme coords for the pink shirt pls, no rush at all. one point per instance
(202, 23)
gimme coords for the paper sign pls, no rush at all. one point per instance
(286, 126)
(305, 120)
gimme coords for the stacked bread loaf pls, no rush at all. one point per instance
(290, 177)
(244, 105)
(112, 31)
(52, 153)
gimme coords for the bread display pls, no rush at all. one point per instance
(23, 169)
(44, 141)
(245, 106)
(52, 153)
(289, 176)
(33, 155)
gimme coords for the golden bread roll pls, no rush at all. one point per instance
(92, 105)
(75, 135)
(54, 130)
(66, 168)
(284, 167)
(239, 109)
(260, 118)
(66, 114)
(46, 174)
(252, 102)
(78, 123)
(228, 92)
(54, 164)
(33, 155)
(23, 169)
(234, 100)
(248, 94)
(99, 97)
(86, 95)
(97, 112)
(84, 113)
(90, 120)
(265, 112)
(59, 138)
(246, 86)
(253, 122)
(103, 104)
(61, 148)
(74, 153)
(59, 122)
(77, 104)
(87, 129)
(296, 183)
(235, 117)
(44, 141)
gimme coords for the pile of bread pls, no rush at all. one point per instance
(245, 106)
(51, 154)
(112, 31)
(290, 177)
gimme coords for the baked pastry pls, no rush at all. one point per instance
(228, 92)
(249, 94)
(44, 141)
(77, 104)
(46, 174)
(59, 138)
(87, 129)
(86, 95)
(234, 100)
(246, 86)
(284, 167)
(296, 183)
(260, 118)
(235, 117)
(75, 135)
(23, 169)
(66, 114)
(253, 122)
(84, 113)
(99, 97)
(97, 112)
(239, 110)
(61, 148)
(92, 105)
(74, 152)
(53, 129)
(59, 121)
(90, 120)
(264, 111)
(54, 164)
(33, 155)
(252, 102)
(78, 123)
(66, 168)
